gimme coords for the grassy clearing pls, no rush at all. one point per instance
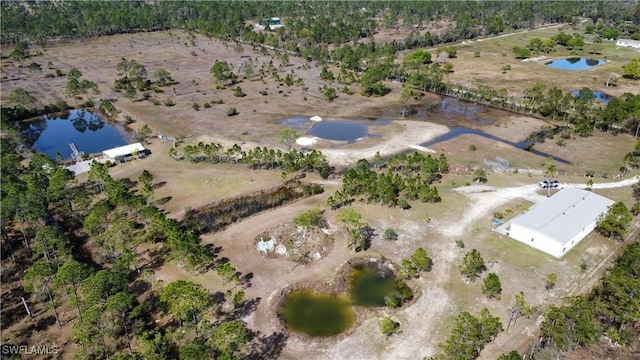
(497, 52)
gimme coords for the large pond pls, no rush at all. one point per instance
(322, 314)
(575, 63)
(337, 130)
(85, 129)
(317, 314)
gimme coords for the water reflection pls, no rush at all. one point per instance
(90, 134)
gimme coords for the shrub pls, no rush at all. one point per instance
(232, 112)
(206, 105)
(237, 92)
(309, 218)
(196, 106)
(472, 147)
(390, 234)
(169, 102)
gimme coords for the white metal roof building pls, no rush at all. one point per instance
(112, 154)
(557, 224)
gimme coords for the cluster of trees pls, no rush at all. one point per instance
(610, 309)
(408, 178)
(417, 263)
(537, 45)
(134, 77)
(76, 86)
(257, 158)
(582, 111)
(616, 222)
(469, 335)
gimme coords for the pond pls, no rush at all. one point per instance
(599, 95)
(575, 63)
(85, 129)
(337, 130)
(317, 314)
(369, 285)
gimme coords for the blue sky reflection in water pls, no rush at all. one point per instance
(575, 63)
(85, 129)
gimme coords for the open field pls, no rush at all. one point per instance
(497, 52)
(462, 215)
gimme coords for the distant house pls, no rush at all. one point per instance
(559, 223)
(122, 153)
(273, 23)
(628, 43)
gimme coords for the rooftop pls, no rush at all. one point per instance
(564, 214)
(123, 150)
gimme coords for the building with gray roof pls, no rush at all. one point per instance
(559, 223)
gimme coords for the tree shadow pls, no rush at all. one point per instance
(246, 308)
(158, 185)
(45, 322)
(368, 232)
(128, 183)
(139, 286)
(267, 347)
(219, 297)
(161, 201)
(246, 279)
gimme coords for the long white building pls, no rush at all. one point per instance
(559, 223)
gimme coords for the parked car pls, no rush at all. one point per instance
(553, 183)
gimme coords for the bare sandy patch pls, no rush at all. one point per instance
(414, 133)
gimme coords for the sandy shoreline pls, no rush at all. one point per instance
(414, 133)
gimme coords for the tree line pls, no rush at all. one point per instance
(408, 178)
(257, 158)
(307, 25)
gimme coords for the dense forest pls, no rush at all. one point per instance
(308, 23)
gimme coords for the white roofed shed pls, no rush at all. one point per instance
(126, 150)
(557, 224)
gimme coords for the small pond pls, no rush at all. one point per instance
(575, 63)
(369, 285)
(600, 96)
(85, 129)
(317, 314)
(337, 130)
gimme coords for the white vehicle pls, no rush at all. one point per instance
(553, 183)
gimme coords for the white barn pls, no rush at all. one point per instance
(628, 43)
(557, 224)
(113, 154)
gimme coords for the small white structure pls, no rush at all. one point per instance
(557, 224)
(628, 43)
(265, 246)
(274, 23)
(127, 150)
(315, 118)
